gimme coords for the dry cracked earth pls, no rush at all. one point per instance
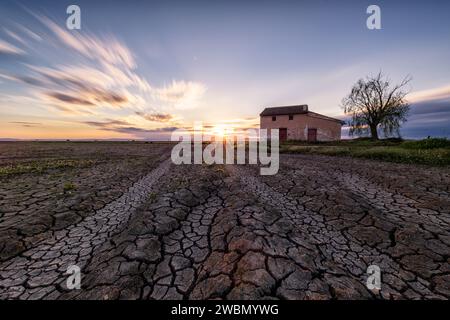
(140, 227)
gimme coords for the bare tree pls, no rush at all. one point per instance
(374, 103)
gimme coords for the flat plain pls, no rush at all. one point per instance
(140, 227)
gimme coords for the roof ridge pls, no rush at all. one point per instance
(293, 109)
(327, 117)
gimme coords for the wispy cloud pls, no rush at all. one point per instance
(7, 48)
(430, 94)
(183, 94)
(28, 32)
(27, 124)
(93, 75)
(139, 131)
(108, 50)
(107, 124)
(14, 36)
(103, 76)
(155, 117)
(432, 105)
(61, 97)
(105, 79)
(70, 86)
(429, 114)
(119, 126)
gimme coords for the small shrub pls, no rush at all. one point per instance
(152, 196)
(69, 186)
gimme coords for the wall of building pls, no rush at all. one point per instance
(297, 129)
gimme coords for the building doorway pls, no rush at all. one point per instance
(312, 135)
(283, 134)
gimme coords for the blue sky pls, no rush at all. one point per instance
(139, 69)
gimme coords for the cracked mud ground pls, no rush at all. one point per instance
(140, 227)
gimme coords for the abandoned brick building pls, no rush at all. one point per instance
(298, 123)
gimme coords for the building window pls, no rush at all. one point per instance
(291, 117)
(274, 118)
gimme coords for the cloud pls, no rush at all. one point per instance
(29, 33)
(103, 77)
(27, 124)
(61, 97)
(25, 79)
(183, 94)
(139, 131)
(120, 126)
(432, 106)
(93, 73)
(14, 36)
(7, 48)
(430, 94)
(427, 124)
(90, 97)
(124, 126)
(107, 124)
(68, 86)
(429, 114)
(108, 50)
(155, 117)
(74, 76)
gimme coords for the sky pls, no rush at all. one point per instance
(141, 69)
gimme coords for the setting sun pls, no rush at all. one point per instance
(220, 131)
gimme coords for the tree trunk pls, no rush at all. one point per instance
(374, 131)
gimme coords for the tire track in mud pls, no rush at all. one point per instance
(225, 232)
(41, 270)
(351, 248)
(161, 252)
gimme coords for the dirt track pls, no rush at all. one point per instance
(149, 229)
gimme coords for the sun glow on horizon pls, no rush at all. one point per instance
(221, 131)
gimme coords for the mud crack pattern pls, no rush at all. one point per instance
(225, 232)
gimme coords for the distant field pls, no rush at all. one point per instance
(51, 157)
(432, 151)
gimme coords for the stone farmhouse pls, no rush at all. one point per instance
(298, 123)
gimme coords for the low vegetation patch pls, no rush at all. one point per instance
(433, 151)
(42, 166)
(69, 187)
(431, 143)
